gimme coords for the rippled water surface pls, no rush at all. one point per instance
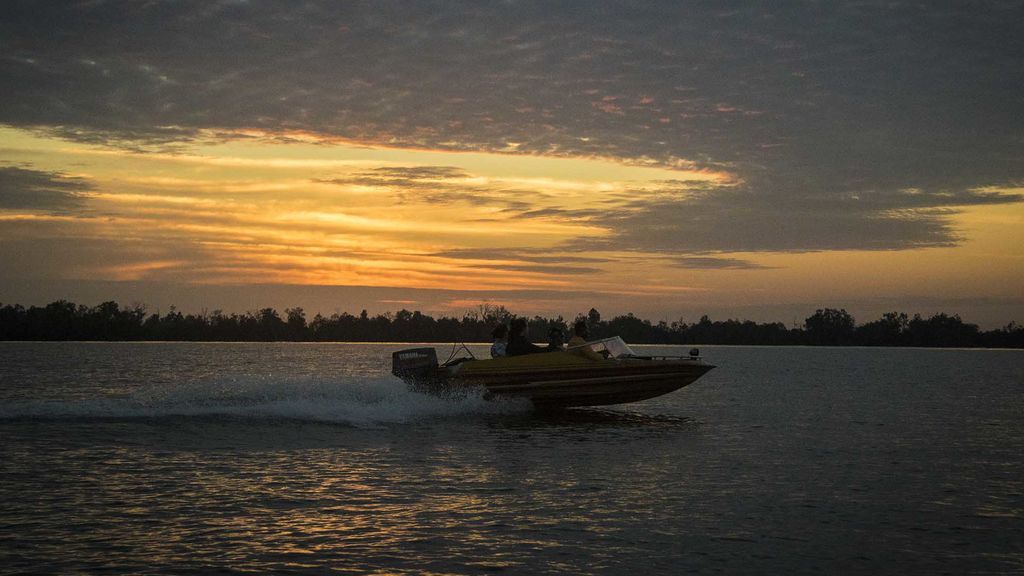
(311, 458)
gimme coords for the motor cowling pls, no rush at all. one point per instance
(414, 363)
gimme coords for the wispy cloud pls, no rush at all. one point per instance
(541, 256)
(715, 263)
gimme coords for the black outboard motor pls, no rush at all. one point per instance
(414, 364)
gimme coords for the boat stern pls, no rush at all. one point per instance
(414, 364)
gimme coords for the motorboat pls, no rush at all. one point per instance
(601, 372)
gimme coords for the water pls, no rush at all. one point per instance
(310, 458)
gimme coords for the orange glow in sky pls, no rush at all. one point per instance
(259, 211)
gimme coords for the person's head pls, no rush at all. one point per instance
(580, 329)
(518, 326)
(555, 336)
(500, 332)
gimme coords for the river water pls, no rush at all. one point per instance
(310, 458)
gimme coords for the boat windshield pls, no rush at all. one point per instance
(614, 346)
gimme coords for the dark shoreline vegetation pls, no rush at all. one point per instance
(63, 320)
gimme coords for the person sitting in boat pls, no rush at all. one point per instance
(556, 340)
(500, 335)
(518, 343)
(578, 341)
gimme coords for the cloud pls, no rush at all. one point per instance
(521, 254)
(807, 107)
(765, 219)
(539, 269)
(525, 260)
(875, 78)
(54, 247)
(441, 185)
(687, 217)
(403, 177)
(715, 263)
(27, 189)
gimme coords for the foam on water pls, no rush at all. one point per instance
(357, 402)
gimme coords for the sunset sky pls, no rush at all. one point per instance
(751, 160)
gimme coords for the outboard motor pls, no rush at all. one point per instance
(414, 363)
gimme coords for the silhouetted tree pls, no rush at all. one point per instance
(270, 325)
(63, 320)
(296, 323)
(830, 327)
(889, 330)
(941, 330)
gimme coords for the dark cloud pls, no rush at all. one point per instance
(23, 188)
(807, 104)
(745, 219)
(141, 139)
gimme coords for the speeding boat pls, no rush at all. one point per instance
(610, 373)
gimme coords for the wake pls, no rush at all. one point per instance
(356, 402)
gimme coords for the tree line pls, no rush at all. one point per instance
(63, 320)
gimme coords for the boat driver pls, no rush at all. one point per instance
(518, 343)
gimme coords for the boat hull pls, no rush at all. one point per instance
(598, 391)
(561, 380)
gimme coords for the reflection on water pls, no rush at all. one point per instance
(311, 459)
(594, 420)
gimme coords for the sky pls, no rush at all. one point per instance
(671, 159)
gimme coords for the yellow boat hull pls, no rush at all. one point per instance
(561, 379)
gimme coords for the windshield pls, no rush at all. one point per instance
(614, 346)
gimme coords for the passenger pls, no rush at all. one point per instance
(579, 338)
(500, 335)
(518, 343)
(556, 339)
